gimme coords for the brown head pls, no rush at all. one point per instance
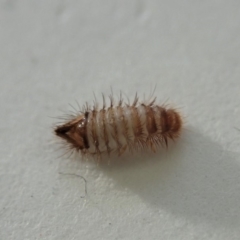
(74, 132)
(171, 123)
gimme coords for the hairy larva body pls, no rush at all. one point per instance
(120, 128)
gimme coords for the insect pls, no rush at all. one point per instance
(121, 127)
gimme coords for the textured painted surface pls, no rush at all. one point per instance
(53, 52)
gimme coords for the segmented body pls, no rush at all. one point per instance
(120, 128)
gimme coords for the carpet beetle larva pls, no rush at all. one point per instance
(120, 127)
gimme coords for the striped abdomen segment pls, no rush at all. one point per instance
(120, 128)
